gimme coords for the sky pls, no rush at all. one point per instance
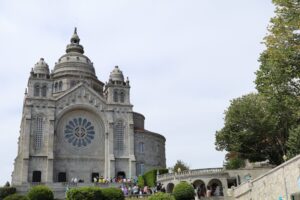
(185, 59)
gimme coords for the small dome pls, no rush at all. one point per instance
(41, 67)
(116, 75)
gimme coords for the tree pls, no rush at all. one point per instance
(293, 143)
(278, 78)
(181, 166)
(249, 130)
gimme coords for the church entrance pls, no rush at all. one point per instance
(121, 175)
(62, 177)
(36, 176)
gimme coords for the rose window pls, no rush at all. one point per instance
(79, 132)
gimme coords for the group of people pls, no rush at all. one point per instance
(113, 180)
(209, 191)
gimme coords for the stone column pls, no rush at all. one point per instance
(50, 149)
(106, 159)
(25, 146)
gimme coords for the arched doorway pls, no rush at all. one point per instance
(199, 185)
(170, 187)
(216, 187)
(121, 175)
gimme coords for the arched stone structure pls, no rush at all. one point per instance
(216, 187)
(170, 187)
(200, 187)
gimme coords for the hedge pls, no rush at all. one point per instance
(150, 176)
(6, 191)
(161, 196)
(40, 192)
(184, 191)
(112, 194)
(16, 197)
(141, 181)
(85, 193)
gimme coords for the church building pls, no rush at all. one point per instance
(74, 125)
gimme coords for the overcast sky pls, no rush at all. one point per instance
(185, 60)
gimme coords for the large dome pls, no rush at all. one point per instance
(74, 63)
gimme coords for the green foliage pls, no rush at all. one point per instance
(250, 130)
(16, 197)
(141, 181)
(278, 78)
(181, 166)
(112, 194)
(150, 176)
(6, 191)
(233, 161)
(161, 196)
(40, 192)
(184, 191)
(293, 142)
(85, 193)
(7, 184)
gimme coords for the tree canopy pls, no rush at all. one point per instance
(180, 164)
(258, 126)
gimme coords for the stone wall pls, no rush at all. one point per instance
(280, 182)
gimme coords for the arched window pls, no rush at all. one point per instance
(116, 96)
(44, 90)
(36, 90)
(55, 87)
(141, 147)
(122, 96)
(38, 133)
(60, 86)
(119, 137)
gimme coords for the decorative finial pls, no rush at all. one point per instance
(75, 30)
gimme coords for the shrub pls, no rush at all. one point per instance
(40, 192)
(85, 193)
(16, 197)
(184, 191)
(112, 194)
(161, 196)
(141, 181)
(150, 176)
(5, 191)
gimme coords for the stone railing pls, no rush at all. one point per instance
(190, 173)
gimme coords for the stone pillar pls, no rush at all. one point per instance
(49, 172)
(24, 170)
(106, 157)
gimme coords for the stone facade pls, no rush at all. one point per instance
(282, 182)
(74, 125)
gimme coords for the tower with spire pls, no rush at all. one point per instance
(75, 126)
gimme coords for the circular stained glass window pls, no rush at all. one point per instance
(79, 132)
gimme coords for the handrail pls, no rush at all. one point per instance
(194, 172)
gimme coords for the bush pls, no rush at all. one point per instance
(112, 194)
(40, 192)
(161, 196)
(6, 191)
(150, 176)
(141, 181)
(184, 191)
(16, 197)
(85, 193)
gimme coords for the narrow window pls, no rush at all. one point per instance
(141, 147)
(38, 135)
(119, 137)
(60, 86)
(122, 96)
(36, 90)
(44, 90)
(140, 168)
(115, 95)
(56, 87)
